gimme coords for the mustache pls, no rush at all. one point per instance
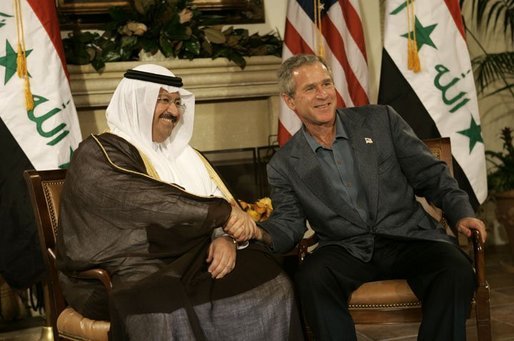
(170, 116)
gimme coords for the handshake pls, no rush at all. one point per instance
(241, 225)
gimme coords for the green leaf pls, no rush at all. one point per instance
(192, 46)
(166, 47)
(98, 64)
(214, 35)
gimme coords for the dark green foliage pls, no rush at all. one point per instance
(491, 15)
(125, 36)
(501, 178)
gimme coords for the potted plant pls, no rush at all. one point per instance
(501, 183)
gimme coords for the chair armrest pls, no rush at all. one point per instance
(98, 274)
(302, 248)
(479, 257)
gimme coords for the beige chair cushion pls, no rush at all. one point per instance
(72, 325)
(384, 294)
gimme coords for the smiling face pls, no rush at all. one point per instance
(314, 99)
(168, 110)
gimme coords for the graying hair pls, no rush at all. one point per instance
(286, 83)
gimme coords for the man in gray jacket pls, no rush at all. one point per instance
(353, 175)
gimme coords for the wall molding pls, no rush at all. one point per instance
(209, 79)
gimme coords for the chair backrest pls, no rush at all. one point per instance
(45, 193)
(441, 148)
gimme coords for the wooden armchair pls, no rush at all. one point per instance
(62, 322)
(392, 301)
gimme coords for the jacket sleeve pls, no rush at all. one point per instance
(428, 175)
(287, 223)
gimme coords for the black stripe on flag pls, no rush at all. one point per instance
(21, 262)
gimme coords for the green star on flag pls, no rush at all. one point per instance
(9, 61)
(474, 133)
(422, 34)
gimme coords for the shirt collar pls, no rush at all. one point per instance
(340, 134)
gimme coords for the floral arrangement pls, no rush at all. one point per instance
(501, 178)
(259, 210)
(174, 28)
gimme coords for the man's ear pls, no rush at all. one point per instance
(289, 101)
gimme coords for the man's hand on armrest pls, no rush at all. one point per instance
(465, 225)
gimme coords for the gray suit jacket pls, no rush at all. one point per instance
(394, 166)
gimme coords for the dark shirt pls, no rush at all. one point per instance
(339, 169)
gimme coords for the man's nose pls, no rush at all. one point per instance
(321, 91)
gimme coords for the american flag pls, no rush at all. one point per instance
(331, 29)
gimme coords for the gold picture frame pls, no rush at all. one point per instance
(92, 13)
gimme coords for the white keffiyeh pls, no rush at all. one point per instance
(130, 115)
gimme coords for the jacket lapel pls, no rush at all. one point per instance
(365, 154)
(308, 168)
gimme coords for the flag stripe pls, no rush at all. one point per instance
(334, 39)
(352, 17)
(46, 14)
(297, 44)
(454, 9)
(345, 52)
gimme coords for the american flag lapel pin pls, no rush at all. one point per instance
(368, 140)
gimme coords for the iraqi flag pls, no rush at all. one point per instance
(38, 125)
(333, 30)
(431, 83)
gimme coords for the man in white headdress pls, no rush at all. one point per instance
(143, 204)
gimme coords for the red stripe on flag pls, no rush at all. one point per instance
(295, 43)
(454, 8)
(354, 24)
(337, 44)
(46, 12)
(283, 134)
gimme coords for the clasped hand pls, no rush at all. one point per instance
(240, 225)
(222, 251)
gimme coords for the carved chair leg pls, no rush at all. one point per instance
(483, 314)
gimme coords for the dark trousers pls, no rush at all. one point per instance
(439, 274)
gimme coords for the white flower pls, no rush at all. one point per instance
(137, 28)
(133, 28)
(185, 15)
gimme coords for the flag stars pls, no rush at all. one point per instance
(422, 34)
(9, 61)
(473, 133)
